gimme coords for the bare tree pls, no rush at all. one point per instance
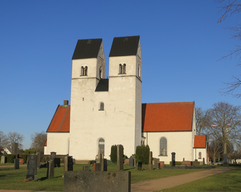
(214, 148)
(202, 120)
(14, 137)
(4, 142)
(228, 8)
(38, 141)
(225, 123)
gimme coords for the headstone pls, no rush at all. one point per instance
(139, 166)
(203, 161)
(56, 162)
(131, 162)
(173, 159)
(14, 148)
(155, 162)
(161, 163)
(104, 165)
(3, 159)
(158, 165)
(119, 157)
(86, 168)
(32, 167)
(50, 169)
(97, 167)
(52, 155)
(126, 161)
(150, 161)
(38, 159)
(99, 158)
(16, 163)
(68, 163)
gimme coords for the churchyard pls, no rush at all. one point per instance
(11, 178)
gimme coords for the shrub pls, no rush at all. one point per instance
(176, 162)
(29, 151)
(142, 154)
(113, 154)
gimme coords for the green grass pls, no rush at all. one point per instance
(13, 179)
(227, 181)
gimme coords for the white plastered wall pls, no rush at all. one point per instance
(57, 142)
(178, 142)
(203, 152)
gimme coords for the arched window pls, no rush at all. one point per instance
(82, 71)
(120, 69)
(124, 69)
(200, 155)
(101, 145)
(85, 71)
(102, 107)
(163, 146)
(100, 72)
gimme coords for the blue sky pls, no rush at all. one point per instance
(181, 42)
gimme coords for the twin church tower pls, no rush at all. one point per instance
(105, 112)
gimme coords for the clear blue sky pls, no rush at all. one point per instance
(181, 42)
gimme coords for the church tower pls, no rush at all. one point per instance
(105, 112)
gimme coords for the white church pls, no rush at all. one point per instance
(106, 112)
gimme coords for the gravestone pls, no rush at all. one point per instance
(50, 169)
(16, 163)
(38, 159)
(203, 161)
(139, 166)
(97, 167)
(32, 168)
(99, 158)
(52, 155)
(86, 168)
(155, 162)
(3, 160)
(131, 162)
(56, 162)
(150, 161)
(173, 159)
(158, 165)
(104, 165)
(119, 157)
(68, 163)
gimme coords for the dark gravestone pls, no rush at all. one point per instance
(150, 161)
(103, 181)
(16, 163)
(131, 162)
(158, 165)
(52, 155)
(68, 163)
(139, 166)
(32, 168)
(15, 148)
(50, 169)
(86, 168)
(119, 157)
(104, 165)
(203, 161)
(173, 159)
(56, 162)
(155, 162)
(97, 167)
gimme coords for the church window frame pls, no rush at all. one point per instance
(122, 69)
(85, 71)
(101, 145)
(163, 146)
(82, 71)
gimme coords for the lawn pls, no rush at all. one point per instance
(227, 181)
(13, 179)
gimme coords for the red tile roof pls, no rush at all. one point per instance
(200, 141)
(61, 120)
(45, 143)
(167, 116)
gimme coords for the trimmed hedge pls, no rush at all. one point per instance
(113, 154)
(176, 162)
(142, 154)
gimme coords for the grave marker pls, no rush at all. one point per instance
(150, 161)
(173, 159)
(50, 169)
(32, 167)
(139, 166)
(16, 163)
(86, 168)
(3, 160)
(131, 162)
(52, 155)
(97, 167)
(68, 163)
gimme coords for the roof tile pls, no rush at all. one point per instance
(200, 141)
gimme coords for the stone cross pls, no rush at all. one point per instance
(32, 167)
(119, 157)
(50, 169)
(150, 161)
